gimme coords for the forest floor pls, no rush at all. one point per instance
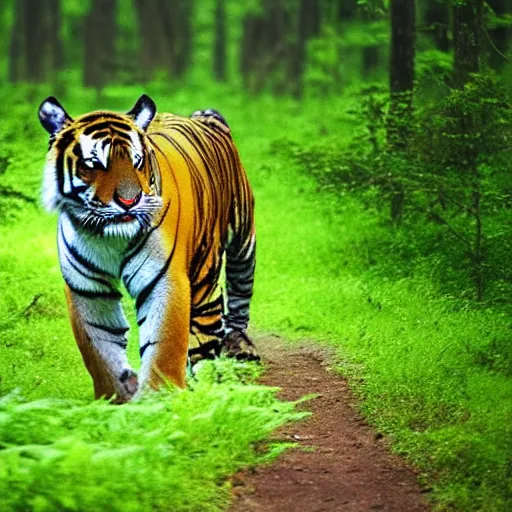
(341, 463)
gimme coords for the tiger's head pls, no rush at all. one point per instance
(100, 169)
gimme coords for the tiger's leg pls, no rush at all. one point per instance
(163, 314)
(206, 326)
(100, 330)
(240, 266)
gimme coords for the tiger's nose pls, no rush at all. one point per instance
(125, 202)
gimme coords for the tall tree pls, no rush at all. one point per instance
(401, 84)
(371, 54)
(498, 36)
(35, 51)
(437, 17)
(266, 53)
(467, 40)
(100, 36)
(308, 26)
(181, 15)
(346, 9)
(16, 49)
(219, 52)
(165, 30)
(401, 71)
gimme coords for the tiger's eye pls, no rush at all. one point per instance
(138, 160)
(84, 172)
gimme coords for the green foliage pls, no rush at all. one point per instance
(464, 179)
(454, 175)
(170, 451)
(334, 57)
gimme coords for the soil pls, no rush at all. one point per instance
(347, 466)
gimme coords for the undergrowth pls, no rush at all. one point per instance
(173, 450)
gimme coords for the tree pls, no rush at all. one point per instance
(266, 51)
(100, 34)
(437, 17)
(308, 26)
(467, 40)
(219, 53)
(401, 84)
(35, 51)
(498, 36)
(165, 30)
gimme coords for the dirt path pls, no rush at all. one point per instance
(349, 469)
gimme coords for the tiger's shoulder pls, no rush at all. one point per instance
(212, 118)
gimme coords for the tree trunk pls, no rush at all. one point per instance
(246, 50)
(401, 83)
(35, 50)
(35, 40)
(346, 9)
(219, 52)
(54, 39)
(401, 75)
(165, 30)
(100, 36)
(371, 59)
(370, 54)
(437, 17)
(499, 37)
(467, 40)
(16, 47)
(308, 26)
(181, 42)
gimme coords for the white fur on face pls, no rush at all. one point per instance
(93, 151)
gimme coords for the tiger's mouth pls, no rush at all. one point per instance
(125, 217)
(100, 219)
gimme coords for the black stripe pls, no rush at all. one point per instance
(141, 321)
(129, 280)
(209, 328)
(146, 291)
(116, 331)
(94, 116)
(60, 172)
(125, 138)
(138, 246)
(107, 124)
(114, 295)
(206, 308)
(102, 133)
(205, 347)
(85, 263)
(98, 280)
(146, 346)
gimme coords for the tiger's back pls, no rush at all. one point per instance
(215, 201)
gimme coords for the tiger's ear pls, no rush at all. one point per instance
(52, 115)
(143, 111)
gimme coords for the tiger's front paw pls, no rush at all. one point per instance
(129, 385)
(239, 346)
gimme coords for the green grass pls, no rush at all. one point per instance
(433, 375)
(171, 451)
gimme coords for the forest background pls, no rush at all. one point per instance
(377, 136)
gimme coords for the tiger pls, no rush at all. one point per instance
(159, 204)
